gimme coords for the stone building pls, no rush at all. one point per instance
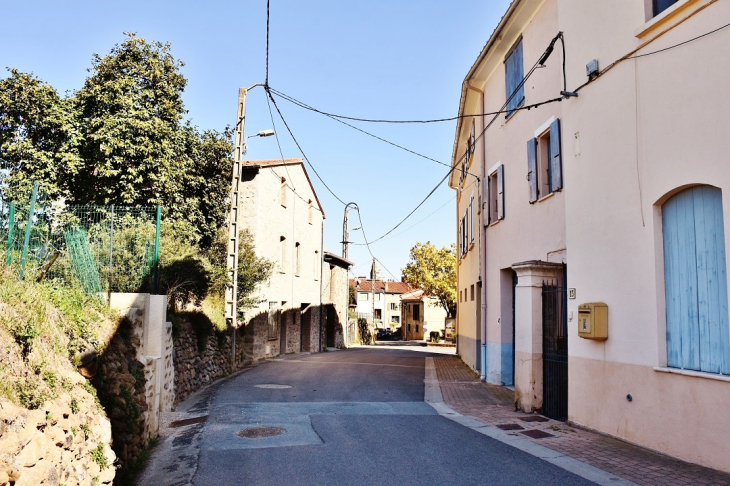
(335, 296)
(281, 209)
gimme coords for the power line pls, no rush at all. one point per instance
(680, 44)
(335, 118)
(300, 148)
(362, 228)
(301, 104)
(541, 60)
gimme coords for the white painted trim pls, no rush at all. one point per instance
(696, 374)
(494, 169)
(544, 127)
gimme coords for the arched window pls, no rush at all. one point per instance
(695, 281)
(282, 254)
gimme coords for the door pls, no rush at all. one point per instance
(283, 332)
(331, 325)
(555, 350)
(306, 329)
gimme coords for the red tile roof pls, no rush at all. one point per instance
(268, 162)
(380, 286)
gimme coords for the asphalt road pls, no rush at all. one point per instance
(351, 417)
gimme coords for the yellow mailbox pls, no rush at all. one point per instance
(593, 321)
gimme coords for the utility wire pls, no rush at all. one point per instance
(300, 148)
(362, 228)
(541, 60)
(680, 44)
(337, 119)
(301, 104)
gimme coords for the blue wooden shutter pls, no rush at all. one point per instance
(695, 276)
(500, 191)
(513, 77)
(532, 168)
(556, 171)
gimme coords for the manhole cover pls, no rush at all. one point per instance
(272, 386)
(534, 418)
(536, 434)
(510, 427)
(260, 432)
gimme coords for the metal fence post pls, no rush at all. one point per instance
(111, 255)
(11, 228)
(31, 210)
(157, 251)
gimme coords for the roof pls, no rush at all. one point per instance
(493, 39)
(413, 295)
(270, 163)
(381, 286)
(330, 257)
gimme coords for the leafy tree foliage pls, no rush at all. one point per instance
(38, 138)
(434, 270)
(120, 139)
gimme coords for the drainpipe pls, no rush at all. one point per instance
(321, 260)
(482, 248)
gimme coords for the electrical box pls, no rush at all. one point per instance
(593, 321)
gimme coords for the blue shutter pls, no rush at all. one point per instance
(695, 275)
(513, 77)
(532, 168)
(556, 172)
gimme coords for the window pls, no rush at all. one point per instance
(472, 292)
(695, 281)
(661, 5)
(471, 221)
(495, 184)
(395, 319)
(416, 313)
(459, 295)
(468, 153)
(513, 78)
(409, 328)
(274, 318)
(378, 314)
(283, 192)
(298, 260)
(310, 212)
(282, 254)
(363, 296)
(416, 327)
(317, 265)
(544, 164)
(393, 306)
(377, 297)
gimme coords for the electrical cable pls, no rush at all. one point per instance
(456, 164)
(301, 104)
(300, 148)
(362, 228)
(680, 44)
(281, 153)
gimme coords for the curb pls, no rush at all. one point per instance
(432, 396)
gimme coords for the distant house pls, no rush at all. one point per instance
(421, 315)
(387, 298)
(335, 296)
(281, 209)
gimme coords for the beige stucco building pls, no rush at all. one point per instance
(421, 315)
(281, 209)
(619, 196)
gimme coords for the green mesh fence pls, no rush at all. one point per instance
(100, 248)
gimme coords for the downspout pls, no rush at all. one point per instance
(482, 249)
(321, 259)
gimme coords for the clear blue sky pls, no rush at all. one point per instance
(396, 59)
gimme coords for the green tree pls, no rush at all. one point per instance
(434, 270)
(38, 137)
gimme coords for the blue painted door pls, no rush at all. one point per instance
(695, 279)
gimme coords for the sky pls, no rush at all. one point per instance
(384, 59)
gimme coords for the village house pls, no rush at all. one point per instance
(387, 295)
(592, 272)
(280, 208)
(422, 315)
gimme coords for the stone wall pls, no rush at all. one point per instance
(55, 444)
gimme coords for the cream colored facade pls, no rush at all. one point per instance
(644, 130)
(281, 209)
(418, 324)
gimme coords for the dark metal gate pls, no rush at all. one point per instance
(555, 350)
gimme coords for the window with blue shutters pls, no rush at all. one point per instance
(695, 281)
(513, 78)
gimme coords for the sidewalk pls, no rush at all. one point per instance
(465, 393)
